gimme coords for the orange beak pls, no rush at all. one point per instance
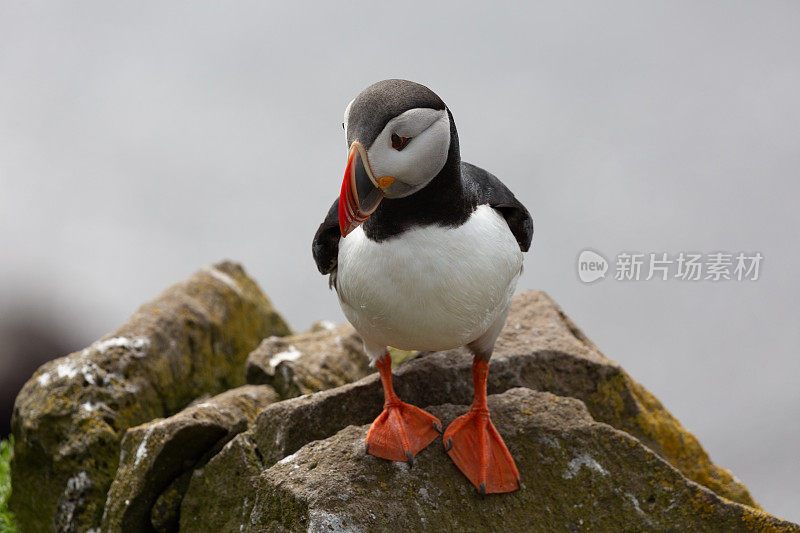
(361, 192)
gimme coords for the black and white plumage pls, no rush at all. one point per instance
(424, 252)
(433, 269)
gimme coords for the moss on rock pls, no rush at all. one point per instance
(70, 417)
(647, 419)
(219, 497)
(325, 357)
(576, 473)
(540, 348)
(158, 457)
(599, 442)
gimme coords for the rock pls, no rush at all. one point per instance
(30, 339)
(596, 451)
(540, 348)
(70, 417)
(327, 356)
(220, 495)
(158, 458)
(576, 473)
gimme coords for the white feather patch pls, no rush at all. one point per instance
(431, 288)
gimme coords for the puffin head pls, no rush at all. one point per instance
(398, 137)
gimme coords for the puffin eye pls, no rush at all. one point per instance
(342, 125)
(398, 143)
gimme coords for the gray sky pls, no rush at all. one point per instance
(140, 141)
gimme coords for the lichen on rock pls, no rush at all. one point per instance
(325, 357)
(540, 348)
(146, 407)
(71, 416)
(577, 474)
(602, 450)
(220, 494)
(158, 458)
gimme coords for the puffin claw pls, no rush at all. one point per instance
(448, 445)
(367, 446)
(410, 460)
(438, 427)
(482, 490)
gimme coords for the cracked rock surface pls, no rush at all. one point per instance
(70, 417)
(153, 429)
(326, 357)
(576, 473)
(603, 451)
(540, 348)
(158, 458)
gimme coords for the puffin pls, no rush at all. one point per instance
(424, 252)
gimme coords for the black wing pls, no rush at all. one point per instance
(490, 190)
(325, 247)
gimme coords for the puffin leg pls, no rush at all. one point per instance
(401, 430)
(475, 446)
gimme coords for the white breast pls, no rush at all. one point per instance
(431, 288)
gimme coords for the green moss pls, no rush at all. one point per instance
(200, 333)
(7, 524)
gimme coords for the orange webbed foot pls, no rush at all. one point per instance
(478, 450)
(401, 431)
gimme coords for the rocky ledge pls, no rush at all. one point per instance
(153, 429)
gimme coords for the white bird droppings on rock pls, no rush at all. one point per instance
(287, 459)
(88, 373)
(89, 406)
(66, 370)
(136, 344)
(78, 483)
(583, 459)
(224, 278)
(639, 510)
(289, 355)
(141, 451)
